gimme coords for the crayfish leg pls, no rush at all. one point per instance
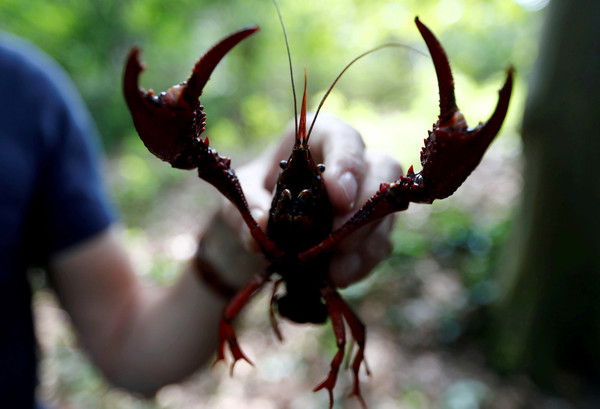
(332, 300)
(339, 311)
(231, 310)
(227, 335)
(272, 318)
(357, 329)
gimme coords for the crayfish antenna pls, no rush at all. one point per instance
(289, 55)
(287, 44)
(372, 50)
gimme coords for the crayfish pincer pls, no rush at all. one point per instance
(299, 239)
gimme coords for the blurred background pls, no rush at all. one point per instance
(428, 305)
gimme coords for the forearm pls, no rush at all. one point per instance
(174, 330)
(169, 333)
(142, 336)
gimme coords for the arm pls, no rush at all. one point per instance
(141, 336)
(144, 337)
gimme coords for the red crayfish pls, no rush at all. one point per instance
(299, 240)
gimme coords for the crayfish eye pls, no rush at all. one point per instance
(418, 179)
(283, 164)
(321, 167)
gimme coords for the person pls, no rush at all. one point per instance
(54, 213)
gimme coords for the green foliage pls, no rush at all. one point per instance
(390, 97)
(248, 98)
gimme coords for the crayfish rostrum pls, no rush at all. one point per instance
(299, 240)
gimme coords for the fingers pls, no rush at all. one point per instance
(379, 167)
(352, 175)
(341, 149)
(334, 143)
(258, 179)
(251, 177)
(350, 266)
(359, 253)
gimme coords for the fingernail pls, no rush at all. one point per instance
(257, 213)
(350, 187)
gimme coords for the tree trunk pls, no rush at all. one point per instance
(547, 320)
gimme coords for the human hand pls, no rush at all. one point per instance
(352, 175)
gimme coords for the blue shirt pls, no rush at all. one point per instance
(51, 196)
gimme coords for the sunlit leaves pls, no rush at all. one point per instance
(91, 38)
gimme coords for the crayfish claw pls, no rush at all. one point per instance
(168, 123)
(453, 150)
(451, 154)
(163, 125)
(205, 66)
(444, 74)
(492, 126)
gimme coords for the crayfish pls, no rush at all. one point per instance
(299, 240)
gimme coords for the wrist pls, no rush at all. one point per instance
(222, 262)
(210, 274)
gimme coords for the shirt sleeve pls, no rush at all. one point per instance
(75, 204)
(68, 201)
